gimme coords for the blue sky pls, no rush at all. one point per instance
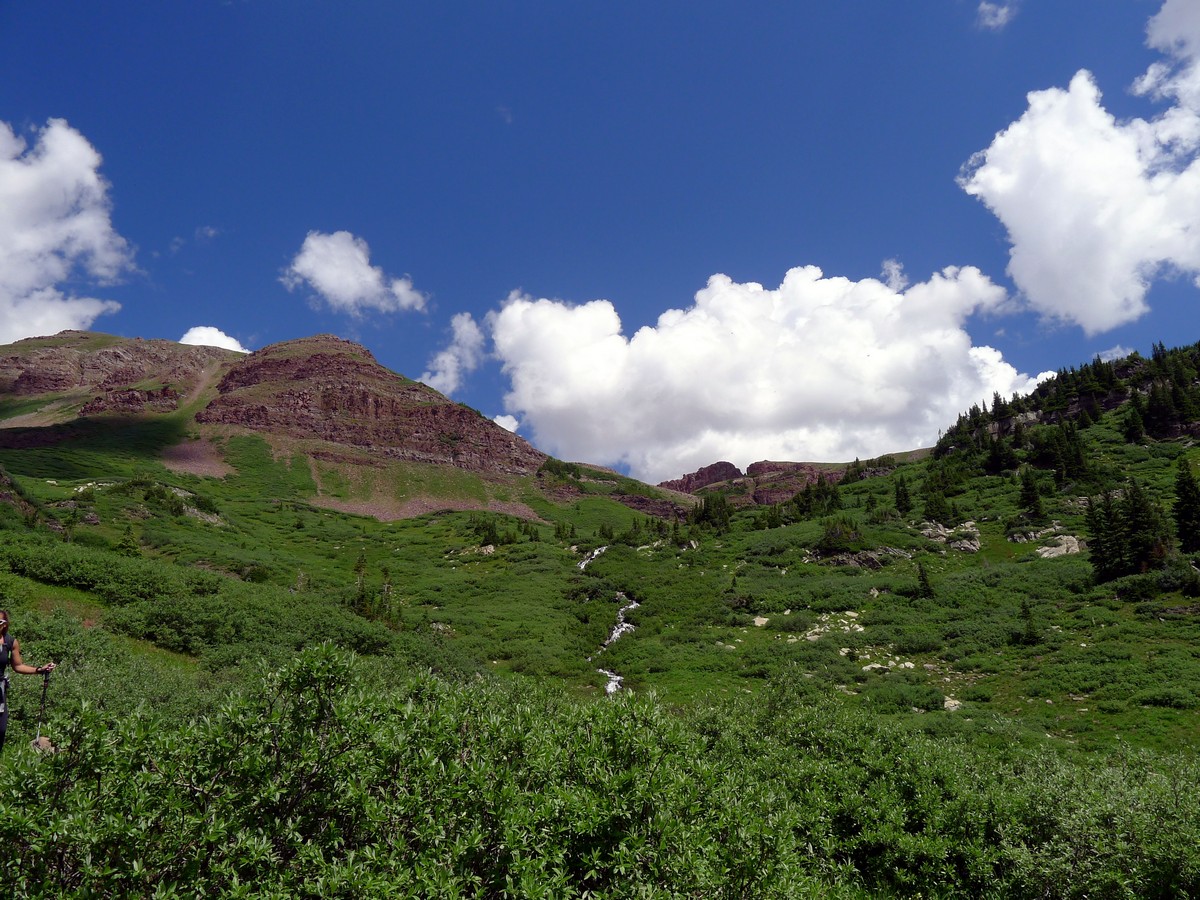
(650, 235)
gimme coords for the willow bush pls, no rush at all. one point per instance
(321, 781)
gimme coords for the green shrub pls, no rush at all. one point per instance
(893, 695)
(1166, 695)
(977, 693)
(918, 641)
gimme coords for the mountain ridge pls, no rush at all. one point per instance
(333, 390)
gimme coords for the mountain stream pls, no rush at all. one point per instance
(621, 628)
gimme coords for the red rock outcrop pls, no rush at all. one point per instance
(78, 361)
(328, 389)
(702, 478)
(133, 401)
(765, 482)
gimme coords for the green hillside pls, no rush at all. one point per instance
(923, 679)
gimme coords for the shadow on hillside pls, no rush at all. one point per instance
(82, 448)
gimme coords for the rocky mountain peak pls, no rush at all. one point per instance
(702, 478)
(763, 483)
(87, 362)
(328, 389)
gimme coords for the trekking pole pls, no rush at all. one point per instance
(37, 741)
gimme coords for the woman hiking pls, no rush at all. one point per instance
(10, 653)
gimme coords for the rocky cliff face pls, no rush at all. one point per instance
(324, 388)
(764, 483)
(81, 362)
(778, 482)
(702, 478)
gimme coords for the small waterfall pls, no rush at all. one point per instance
(614, 681)
(587, 559)
(621, 628)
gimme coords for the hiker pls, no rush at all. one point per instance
(10, 651)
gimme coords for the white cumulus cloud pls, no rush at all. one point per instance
(509, 423)
(208, 336)
(55, 225)
(816, 369)
(463, 355)
(994, 16)
(1096, 208)
(338, 267)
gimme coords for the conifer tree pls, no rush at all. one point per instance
(1103, 540)
(999, 455)
(924, 588)
(1018, 436)
(903, 499)
(1134, 427)
(936, 508)
(1127, 536)
(1160, 412)
(128, 545)
(1187, 508)
(1146, 537)
(1000, 408)
(1031, 498)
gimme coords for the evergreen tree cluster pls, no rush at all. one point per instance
(559, 468)
(487, 531)
(815, 500)
(1163, 392)
(818, 498)
(1187, 508)
(714, 511)
(1129, 533)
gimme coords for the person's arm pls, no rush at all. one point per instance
(19, 665)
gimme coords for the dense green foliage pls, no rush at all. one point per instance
(1187, 508)
(325, 782)
(904, 683)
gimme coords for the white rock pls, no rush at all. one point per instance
(1064, 545)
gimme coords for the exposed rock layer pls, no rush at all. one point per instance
(764, 483)
(702, 478)
(324, 388)
(81, 361)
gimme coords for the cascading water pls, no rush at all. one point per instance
(583, 563)
(621, 628)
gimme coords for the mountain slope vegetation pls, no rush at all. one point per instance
(921, 676)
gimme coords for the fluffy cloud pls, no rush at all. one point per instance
(447, 368)
(994, 16)
(818, 368)
(509, 423)
(1175, 30)
(338, 267)
(207, 336)
(1114, 353)
(54, 226)
(1097, 208)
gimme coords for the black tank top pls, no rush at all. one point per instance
(5, 649)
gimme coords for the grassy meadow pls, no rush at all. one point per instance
(900, 686)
